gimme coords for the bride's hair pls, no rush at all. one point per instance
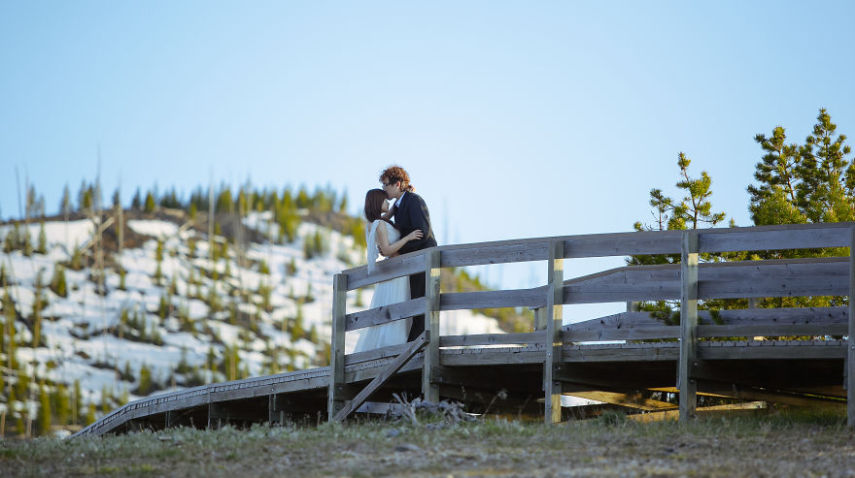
(374, 199)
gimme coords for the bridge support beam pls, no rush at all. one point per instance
(335, 398)
(850, 349)
(553, 341)
(688, 324)
(431, 366)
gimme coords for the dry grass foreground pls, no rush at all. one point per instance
(769, 445)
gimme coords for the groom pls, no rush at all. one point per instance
(410, 213)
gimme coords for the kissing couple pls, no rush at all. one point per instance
(393, 230)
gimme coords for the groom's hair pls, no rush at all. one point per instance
(393, 174)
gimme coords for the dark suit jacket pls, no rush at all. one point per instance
(410, 215)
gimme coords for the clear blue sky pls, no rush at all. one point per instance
(515, 119)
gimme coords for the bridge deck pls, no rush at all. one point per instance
(481, 372)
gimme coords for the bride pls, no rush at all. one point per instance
(383, 237)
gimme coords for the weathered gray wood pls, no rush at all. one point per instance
(539, 318)
(494, 299)
(499, 252)
(773, 278)
(384, 314)
(774, 238)
(635, 333)
(334, 401)
(552, 343)
(493, 356)
(648, 352)
(492, 339)
(762, 317)
(771, 330)
(622, 244)
(382, 352)
(850, 352)
(388, 269)
(413, 348)
(431, 364)
(688, 323)
(771, 350)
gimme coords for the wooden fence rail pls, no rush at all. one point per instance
(689, 281)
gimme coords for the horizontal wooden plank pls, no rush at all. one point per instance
(764, 317)
(535, 297)
(774, 278)
(622, 244)
(376, 354)
(391, 268)
(494, 253)
(802, 236)
(384, 314)
(492, 356)
(772, 330)
(491, 339)
(635, 333)
(768, 350)
(659, 351)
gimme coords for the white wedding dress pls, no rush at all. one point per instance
(385, 293)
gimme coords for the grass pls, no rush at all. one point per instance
(779, 444)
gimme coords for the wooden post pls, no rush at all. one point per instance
(539, 318)
(688, 324)
(850, 352)
(430, 389)
(335, 400)
(553, 342)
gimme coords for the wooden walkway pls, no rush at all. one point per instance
(795, 356)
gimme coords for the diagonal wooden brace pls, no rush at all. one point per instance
(412, 349)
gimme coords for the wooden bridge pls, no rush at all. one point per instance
(795, 356)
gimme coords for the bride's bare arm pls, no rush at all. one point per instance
(389, 250)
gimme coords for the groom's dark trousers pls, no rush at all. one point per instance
(411, 214)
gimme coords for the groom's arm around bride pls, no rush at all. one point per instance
(410, 213)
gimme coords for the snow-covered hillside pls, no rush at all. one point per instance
(174, 312)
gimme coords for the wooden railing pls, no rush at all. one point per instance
(689, 281)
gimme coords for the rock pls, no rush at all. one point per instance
(407, 447)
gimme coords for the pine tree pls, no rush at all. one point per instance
(11, 316)
(28, 243)
(90, 414)
(62, 405)
(76, 258)
(43, 416)
(39, 303)
(297, 329)
(150, 204)
(65, 206)
(10, 242)
(106, 400)
(812, 182)
(41, 248)
(58, 283)
(136, 201)
(145, 384)
(122, 274)
(76, 402)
